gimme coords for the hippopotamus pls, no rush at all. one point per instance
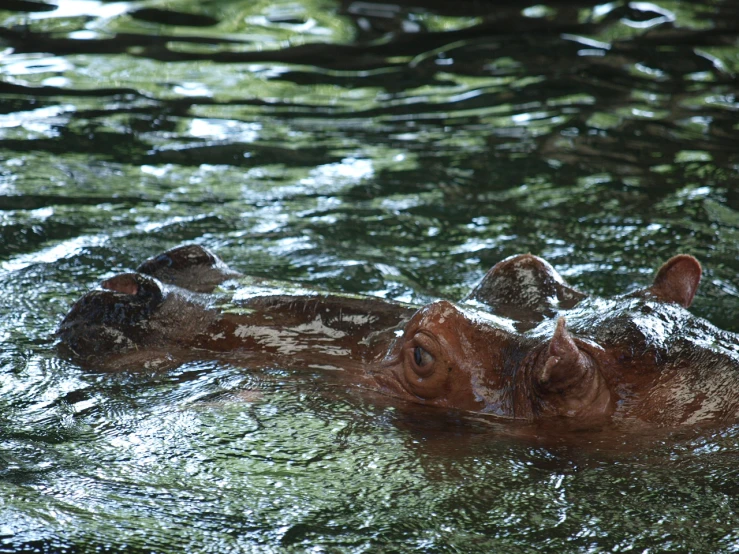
(522, 346)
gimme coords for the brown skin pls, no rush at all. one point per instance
(190, 267)
(526, 289)
(523, 346)
(135, 321)
(447, 358)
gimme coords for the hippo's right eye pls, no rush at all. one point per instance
(422, 358)
(422, 353)
(425, 366)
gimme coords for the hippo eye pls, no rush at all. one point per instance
(424, 365)
(423, 362)
(421, 357)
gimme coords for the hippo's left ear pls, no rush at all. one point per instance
(677, 280)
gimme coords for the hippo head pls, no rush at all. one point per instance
(454, 357)
(451, 357)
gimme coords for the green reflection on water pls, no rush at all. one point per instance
(414, 151)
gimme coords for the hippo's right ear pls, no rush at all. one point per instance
(565, 366)
(677, 280)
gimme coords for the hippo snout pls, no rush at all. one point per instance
(113, 318)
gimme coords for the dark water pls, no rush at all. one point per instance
(389, 149)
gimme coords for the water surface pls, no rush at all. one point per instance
(391, 149)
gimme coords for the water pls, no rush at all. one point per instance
(372, 148)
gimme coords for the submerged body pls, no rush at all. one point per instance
(523, 345)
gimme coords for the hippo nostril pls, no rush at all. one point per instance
(125, 284)
(180, 258)
(142, 288)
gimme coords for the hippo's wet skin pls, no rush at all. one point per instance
(523, 345)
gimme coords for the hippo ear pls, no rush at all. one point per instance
(565, 367)
(525, 288)
(568, 380)
(677, 280)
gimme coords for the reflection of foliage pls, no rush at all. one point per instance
(573, 134)
(367, 147)
(570, 132)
